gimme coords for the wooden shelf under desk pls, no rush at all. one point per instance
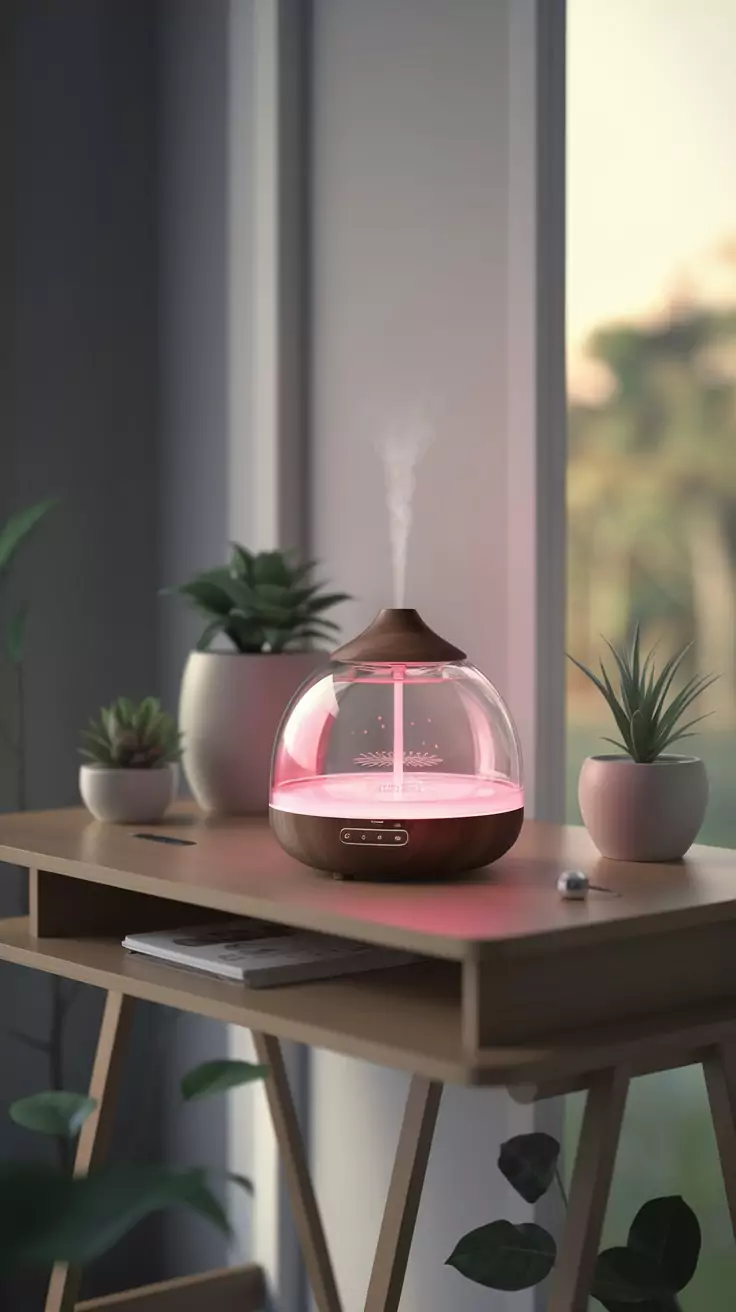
(511, 967)
(408, 1017)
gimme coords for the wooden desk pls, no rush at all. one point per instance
(517, 988)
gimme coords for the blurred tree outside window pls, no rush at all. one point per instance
(651, 339)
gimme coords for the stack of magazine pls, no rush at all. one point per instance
(262, 955)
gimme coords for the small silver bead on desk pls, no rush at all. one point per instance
(573, 885)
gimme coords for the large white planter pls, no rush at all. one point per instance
(128, 796)
(229, 710)
(636, 812)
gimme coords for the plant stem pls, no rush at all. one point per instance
(54, 1047)
(60, 1003)
(21, 738)
(7, 739)
(56, 1059)
(29, 1041)
(561, 1186)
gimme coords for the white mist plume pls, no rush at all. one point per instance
(401, 450)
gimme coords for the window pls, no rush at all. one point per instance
(651, 305)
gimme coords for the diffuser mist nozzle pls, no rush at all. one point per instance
(398, 635)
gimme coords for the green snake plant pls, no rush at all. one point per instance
(648, 711)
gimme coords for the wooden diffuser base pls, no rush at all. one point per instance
(396, 850)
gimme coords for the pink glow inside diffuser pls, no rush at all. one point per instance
(367, 797)
(397, 767)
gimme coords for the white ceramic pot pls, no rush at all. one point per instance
(229, 710)
(636, 812)
(128, 796)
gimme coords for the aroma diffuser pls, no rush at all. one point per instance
(400, 762)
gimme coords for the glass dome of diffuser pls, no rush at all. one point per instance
(399, 760)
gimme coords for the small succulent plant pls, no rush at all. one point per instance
(648, 714)
(132, 736)
(263, 602)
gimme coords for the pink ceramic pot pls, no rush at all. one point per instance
(229, 710)
(637, 812)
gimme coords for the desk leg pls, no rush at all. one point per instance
(307, 1218)
(404, 1194)
(591, 1185)
(719, 1065)
(405, 1189)
(95, 1135)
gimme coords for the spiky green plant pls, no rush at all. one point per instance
(263, 602)
(132, 736)
(647, 710)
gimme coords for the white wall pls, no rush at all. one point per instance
(410, 319)
(409, 290)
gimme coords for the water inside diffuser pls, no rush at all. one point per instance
(403, 743)
(378, 796)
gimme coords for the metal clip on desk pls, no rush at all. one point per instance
(520, 988)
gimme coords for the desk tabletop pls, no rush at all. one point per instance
(237, 867)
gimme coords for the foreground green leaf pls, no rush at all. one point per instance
(19, 526)
(219, 1076)
(648, 1305)
(190, 1189)
(59, 1113)
(505, 1256)
(528, 1162)
(46, 1216)
(241, 1181)
(623, 1275)
(667, 1232)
